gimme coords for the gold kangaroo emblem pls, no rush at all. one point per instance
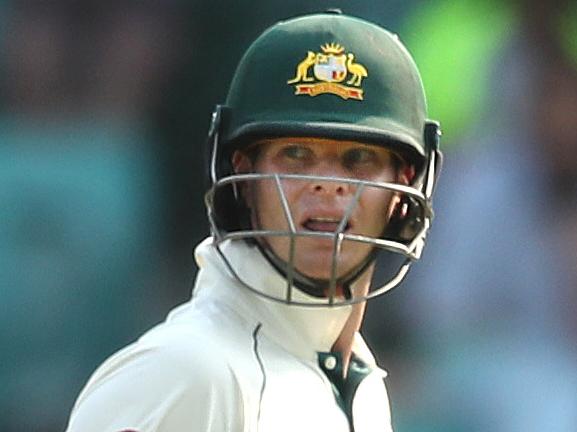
(303, 68)
(359, 72)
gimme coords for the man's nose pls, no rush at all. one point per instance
(326, 185)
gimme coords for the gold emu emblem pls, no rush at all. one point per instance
(330, 68)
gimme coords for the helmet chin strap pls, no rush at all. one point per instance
(316, 287)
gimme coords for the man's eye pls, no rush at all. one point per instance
(297, 152)
(358, 156)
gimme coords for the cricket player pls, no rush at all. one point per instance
(323, 167)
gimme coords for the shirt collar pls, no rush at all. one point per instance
(302, 330)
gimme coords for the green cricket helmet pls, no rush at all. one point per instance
(330, 76)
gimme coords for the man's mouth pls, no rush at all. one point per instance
(323, 224)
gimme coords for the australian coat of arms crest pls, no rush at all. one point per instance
(333, 71)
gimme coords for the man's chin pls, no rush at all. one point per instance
(321, 270)
(315, 261)
(322, 289)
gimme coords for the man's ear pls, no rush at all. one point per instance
(405, 174)
(241, 163)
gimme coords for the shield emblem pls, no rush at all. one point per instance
(330, 68)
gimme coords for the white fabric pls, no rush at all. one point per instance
(229, 360)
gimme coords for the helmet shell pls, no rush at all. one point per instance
(328, 75)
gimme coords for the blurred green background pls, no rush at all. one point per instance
(104, 109)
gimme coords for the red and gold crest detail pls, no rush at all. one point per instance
(333, 71)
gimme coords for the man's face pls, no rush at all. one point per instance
(319, 205)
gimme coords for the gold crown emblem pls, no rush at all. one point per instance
(333, 71)
(332, 48)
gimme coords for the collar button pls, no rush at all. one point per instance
(330, 362)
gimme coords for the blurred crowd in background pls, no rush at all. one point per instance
(104, 108)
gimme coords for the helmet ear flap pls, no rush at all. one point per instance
(406, 220)
(228, 212)
(409, 217)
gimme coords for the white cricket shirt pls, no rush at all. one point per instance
(230, 360)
